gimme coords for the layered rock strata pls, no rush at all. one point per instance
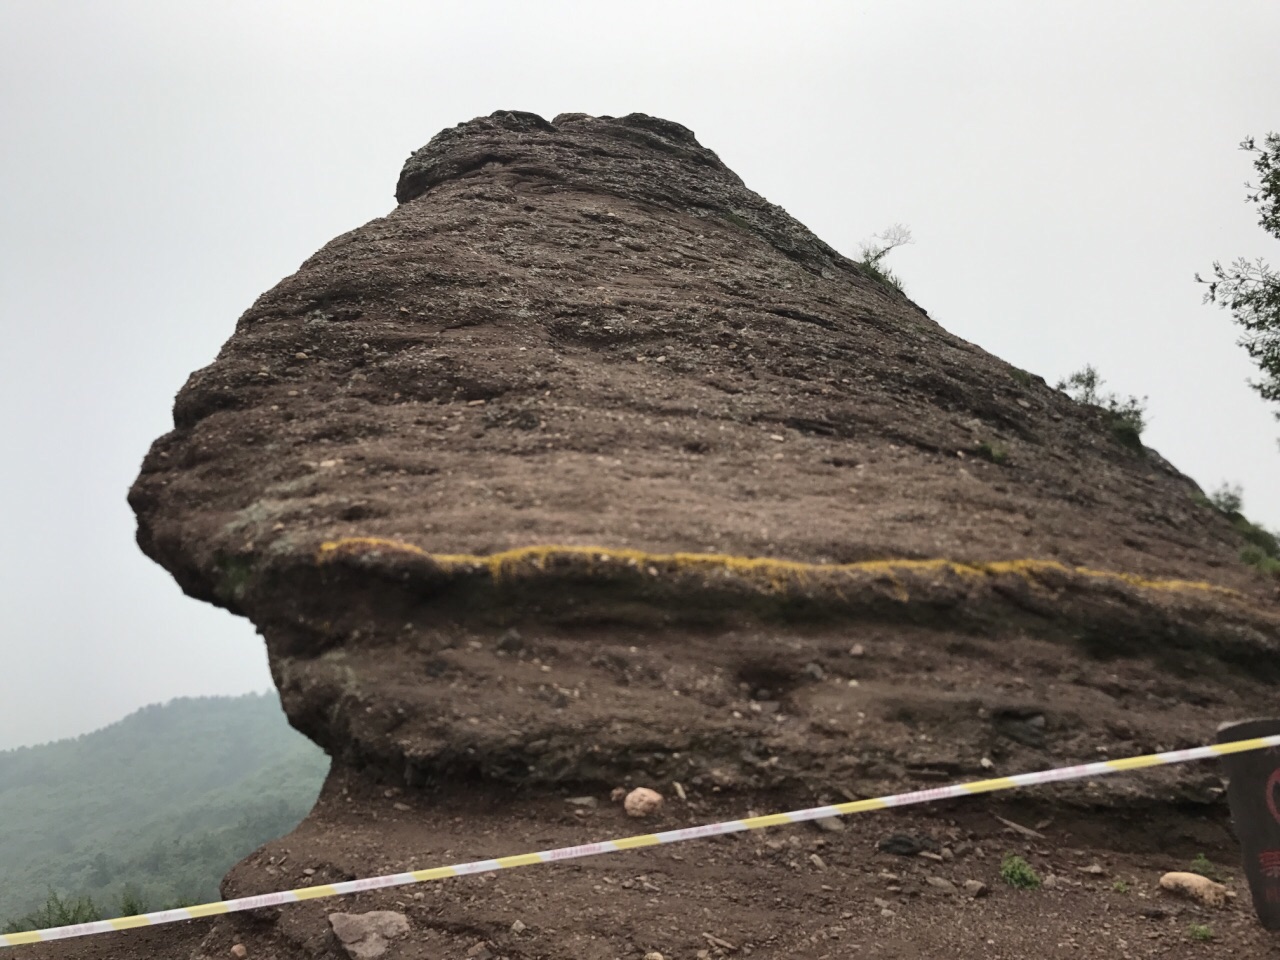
(586, 464)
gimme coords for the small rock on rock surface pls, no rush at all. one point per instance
(367, 935)
(941, 883)
(902, 845)
(1195, 887)
(511, 642)
(642, 802)
(976, 888)
(239, 951)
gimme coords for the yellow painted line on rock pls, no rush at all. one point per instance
(777, 572)
(955, 791)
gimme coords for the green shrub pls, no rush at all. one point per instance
(992, 451)
(1205, 867)
(873, 270)
(1262, 548)
(1018, 874)
(1228, 499)
(872, 254)
(1126, 416)
(1200, 931)
(1127, 432)
(1120, 886)
(1256, 536)
(56, 912)
(1257, 557)
(132, 902)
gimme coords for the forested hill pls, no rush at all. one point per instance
(156, 807)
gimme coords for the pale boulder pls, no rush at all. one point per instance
(1195, 887)
(365, 936)
(642, 802)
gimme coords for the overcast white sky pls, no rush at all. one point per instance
(1066, 167)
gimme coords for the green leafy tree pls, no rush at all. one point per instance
(1250, 289)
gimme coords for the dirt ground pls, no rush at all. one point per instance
(796, 891)
(919, 715)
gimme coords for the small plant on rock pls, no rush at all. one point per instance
(1205, 867)
(1228, 498)
(1017, 873)
(873, 253)
(1200, 931)
(1262, 547)
(1257, 557)
(1127, 416)
(1120, 886)
(993, 452)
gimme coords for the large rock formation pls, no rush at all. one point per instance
(587, 465)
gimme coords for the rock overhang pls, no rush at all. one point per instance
(589, 332)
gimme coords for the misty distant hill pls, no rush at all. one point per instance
(158, 805)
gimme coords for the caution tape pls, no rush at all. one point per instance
(1098, 769)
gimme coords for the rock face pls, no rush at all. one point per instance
(587, 462)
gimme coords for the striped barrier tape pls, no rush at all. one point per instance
(1081, 771)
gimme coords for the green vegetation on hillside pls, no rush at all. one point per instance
(1262, 547)
(150, 811)
(1127, 416)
